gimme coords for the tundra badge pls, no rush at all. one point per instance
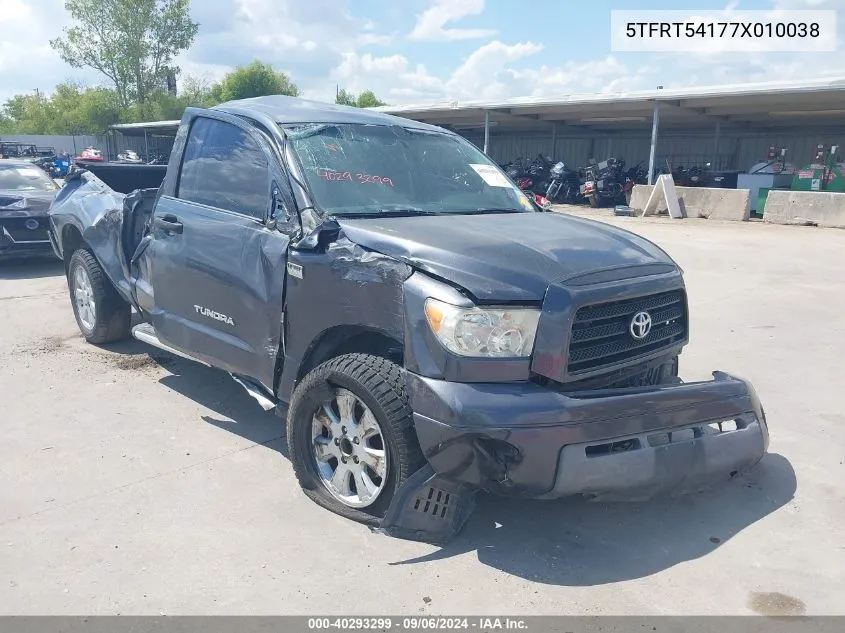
(295, 270)
(214, 315)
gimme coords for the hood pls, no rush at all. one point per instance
(505, 257)
(37, 202)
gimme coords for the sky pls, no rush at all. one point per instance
(419, 51)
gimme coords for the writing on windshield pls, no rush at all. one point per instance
(362, 168)
(359, 177)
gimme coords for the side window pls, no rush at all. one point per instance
(224, 167)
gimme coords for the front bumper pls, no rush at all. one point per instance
(521, 439)
(34, 243)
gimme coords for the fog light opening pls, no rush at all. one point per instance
(621, 446)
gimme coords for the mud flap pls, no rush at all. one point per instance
(428, 508)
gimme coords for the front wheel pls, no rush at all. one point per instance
(101, 314)
(351, 436)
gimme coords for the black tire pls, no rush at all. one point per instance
(378, 383)
(112, 315)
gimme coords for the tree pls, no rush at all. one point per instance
(132, 42)
(71, 109)
(366, 99)
(254, 80)
(197, 91)
(80, 110)
(29, 114)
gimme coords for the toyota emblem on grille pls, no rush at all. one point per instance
(640, 325)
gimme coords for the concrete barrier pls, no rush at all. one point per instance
(700, 202)
(821, 208)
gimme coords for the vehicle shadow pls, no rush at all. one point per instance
(30, 268)
(234, 410)
(575, 542)
(570, 542)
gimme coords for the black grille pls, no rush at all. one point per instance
(601, 333)
(16, 227)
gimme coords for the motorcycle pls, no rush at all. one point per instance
(636, 175)
(603, 182)
(55, 166)
(564, 184)
(526, 185)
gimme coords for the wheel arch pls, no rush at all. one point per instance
(71, 240)
(350, 339)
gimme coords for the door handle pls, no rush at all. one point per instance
(169, 223)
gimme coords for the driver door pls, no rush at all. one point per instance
(218, 255)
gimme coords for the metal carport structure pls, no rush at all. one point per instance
(130, 132)
(803, 108)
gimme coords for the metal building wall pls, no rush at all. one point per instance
(736, 150)
(70, 144)
(111, 145)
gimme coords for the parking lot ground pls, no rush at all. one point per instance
(132, 482)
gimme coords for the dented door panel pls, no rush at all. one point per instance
(218, 286)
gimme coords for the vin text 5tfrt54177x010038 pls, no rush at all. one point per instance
(428, 331)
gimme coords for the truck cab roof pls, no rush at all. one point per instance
(291, 110)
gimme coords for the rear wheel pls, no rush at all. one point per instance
(351, 436)
(101, 314)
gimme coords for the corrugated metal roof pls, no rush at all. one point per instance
(767, 105)
(773, 88)
(151, 125)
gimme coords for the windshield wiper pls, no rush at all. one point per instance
(490, 211)
(388, 213)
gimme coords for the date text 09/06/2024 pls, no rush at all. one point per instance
(423, 623)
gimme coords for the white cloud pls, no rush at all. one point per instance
(323, 44)
(483, 75)
(375, 38)
(27, 62)
(431, 23)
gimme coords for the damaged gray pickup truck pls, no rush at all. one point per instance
(427, 330)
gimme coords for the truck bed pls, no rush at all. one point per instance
(126, 177)
(112, 222)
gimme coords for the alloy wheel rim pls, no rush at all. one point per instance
(83, 295)
(349, 450)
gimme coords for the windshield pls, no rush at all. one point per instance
(358, 169)
(18, 178)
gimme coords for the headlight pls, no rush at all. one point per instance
(17, 204)
(483, 332)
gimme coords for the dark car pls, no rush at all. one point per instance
(25, 196)
(427, 330)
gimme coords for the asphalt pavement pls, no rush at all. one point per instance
(133, 482)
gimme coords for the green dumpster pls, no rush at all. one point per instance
(761, 200)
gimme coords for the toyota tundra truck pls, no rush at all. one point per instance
(427, 330)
